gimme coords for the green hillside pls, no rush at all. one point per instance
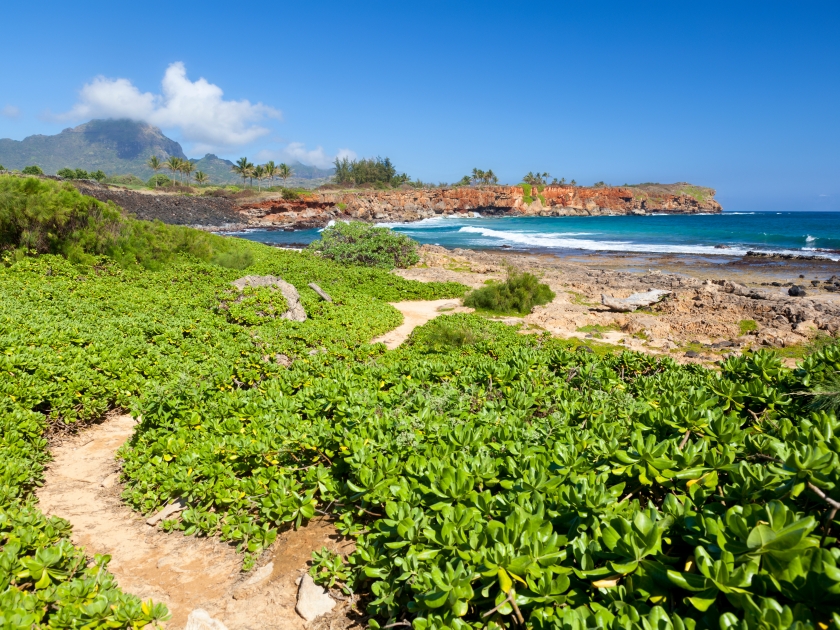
(120, 147)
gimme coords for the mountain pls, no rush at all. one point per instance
(119, 147)
(113, 146)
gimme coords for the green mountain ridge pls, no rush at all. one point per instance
(120, 147)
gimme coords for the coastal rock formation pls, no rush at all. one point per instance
(318, 208)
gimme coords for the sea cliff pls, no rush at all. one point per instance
(317, 208)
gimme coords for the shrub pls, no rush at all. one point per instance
(519, 294)
(358, 243)
(290, 195)
(747, 325)
(49, 217)
(99, 176)
(125, 180)
(443, 333)
(158, 180)
(32, 170)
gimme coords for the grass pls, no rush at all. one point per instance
(746, 326)
(579, 298)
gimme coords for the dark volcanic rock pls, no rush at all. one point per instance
(169, 208)
(797, 291)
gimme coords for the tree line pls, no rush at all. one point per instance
(368, 171)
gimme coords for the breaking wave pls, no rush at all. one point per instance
(563, 241)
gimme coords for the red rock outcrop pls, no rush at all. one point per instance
(316, 209)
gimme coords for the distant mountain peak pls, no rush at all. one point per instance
(117, 147)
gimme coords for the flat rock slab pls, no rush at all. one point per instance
(637, 300)
(200, 619)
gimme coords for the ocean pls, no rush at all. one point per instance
(708, 235)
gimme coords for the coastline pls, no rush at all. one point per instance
(702, 320)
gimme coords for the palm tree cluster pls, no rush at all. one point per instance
(479, 177)
(536, 179)
(177, 165)
(261, 172)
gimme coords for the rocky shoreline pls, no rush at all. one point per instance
(701, 319)
(317, 209)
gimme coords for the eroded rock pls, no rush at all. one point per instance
(200, 619)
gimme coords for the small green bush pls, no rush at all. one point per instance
(443, 333)
(290, 195)
(517, 295)
(234, 259)
(747, 325)
(158, 180)
(32, 170)
(358, 243)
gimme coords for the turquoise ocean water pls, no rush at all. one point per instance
(809, 233)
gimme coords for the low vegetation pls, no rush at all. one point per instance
(488, 478)
(517, 295)
(359, 243)
(79, 173)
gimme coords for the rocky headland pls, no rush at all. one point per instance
(316, 209)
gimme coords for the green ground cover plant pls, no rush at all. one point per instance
(77, 340)
(359, 243)
(490, 479)
(746, 326)
(517, 295)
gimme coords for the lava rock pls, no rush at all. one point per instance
(797, 290)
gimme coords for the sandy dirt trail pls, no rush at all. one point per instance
(184, 572)
(416, 314)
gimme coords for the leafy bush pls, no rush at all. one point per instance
(290, 195)
(158, 180)
(519, 294)
(358, 243)
(32, 170)
(125, 180)
(44, 216)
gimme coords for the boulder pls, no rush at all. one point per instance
(797, 290)
(313, 601)
(295, 312)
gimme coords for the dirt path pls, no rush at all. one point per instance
(184, 572)
(416, 314)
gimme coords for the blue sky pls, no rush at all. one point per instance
(741, 96)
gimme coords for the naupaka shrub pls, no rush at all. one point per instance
(490, 484)
(78, 339)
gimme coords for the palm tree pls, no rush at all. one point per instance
(187, 168)
(258, 173)
(271, 171)
(536, 179)
(173, 164)
(490, 177)
(155, 165)
(284, 172)
(477, 176)
(243, 168)
(201, 178)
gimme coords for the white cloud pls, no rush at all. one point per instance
(10, 111)
(197, 108)
(298, 151)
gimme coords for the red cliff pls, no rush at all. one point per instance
(317, 208)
